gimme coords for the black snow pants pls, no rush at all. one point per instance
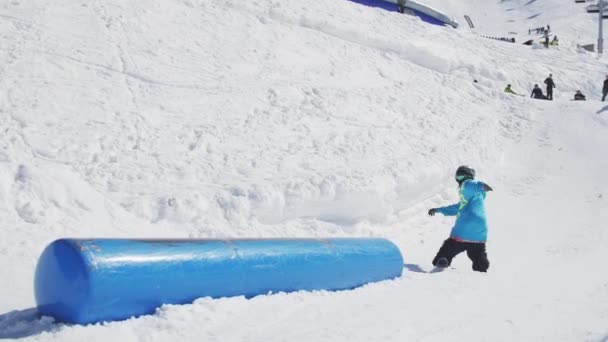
(476, 251)
(549, 93)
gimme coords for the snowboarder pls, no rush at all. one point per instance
(605, 89)
(550, 85)
(537, 93)
(578, 96)
(470, 230)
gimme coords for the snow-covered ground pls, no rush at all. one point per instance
(286, 118)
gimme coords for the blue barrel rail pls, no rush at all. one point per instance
(95, 280)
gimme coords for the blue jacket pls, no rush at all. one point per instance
(471, 222)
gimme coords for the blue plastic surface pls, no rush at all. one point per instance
(89, 281)
(389, 6)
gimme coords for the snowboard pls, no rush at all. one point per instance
(442, 265)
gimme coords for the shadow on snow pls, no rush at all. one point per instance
(24, 323)
(414, 268)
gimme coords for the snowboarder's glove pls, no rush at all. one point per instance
(486, 187)
(432, 211)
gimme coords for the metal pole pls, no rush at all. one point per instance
(600, 35)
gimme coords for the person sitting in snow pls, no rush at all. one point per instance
(578, 96)
(554, 41)
(537, 93)
(471, 229)
(508, 90)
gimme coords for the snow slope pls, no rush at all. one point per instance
(514, 18)
(268, 118)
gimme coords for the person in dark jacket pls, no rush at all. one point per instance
(605, 89)
(537, 93)
(578, 96)
(550, 85)
(470, 231)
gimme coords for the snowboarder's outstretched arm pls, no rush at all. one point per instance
(450, 210)
(470, 188)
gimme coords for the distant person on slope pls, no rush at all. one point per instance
(537, 93)
(550, 85)
(471, 229)
(578, 96)
(401, 6)
(605, 89)
(508, 90)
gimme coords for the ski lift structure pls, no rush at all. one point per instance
(604, 13)
(595, 8)
(602, 6)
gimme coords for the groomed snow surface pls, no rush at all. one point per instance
(287, 118)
